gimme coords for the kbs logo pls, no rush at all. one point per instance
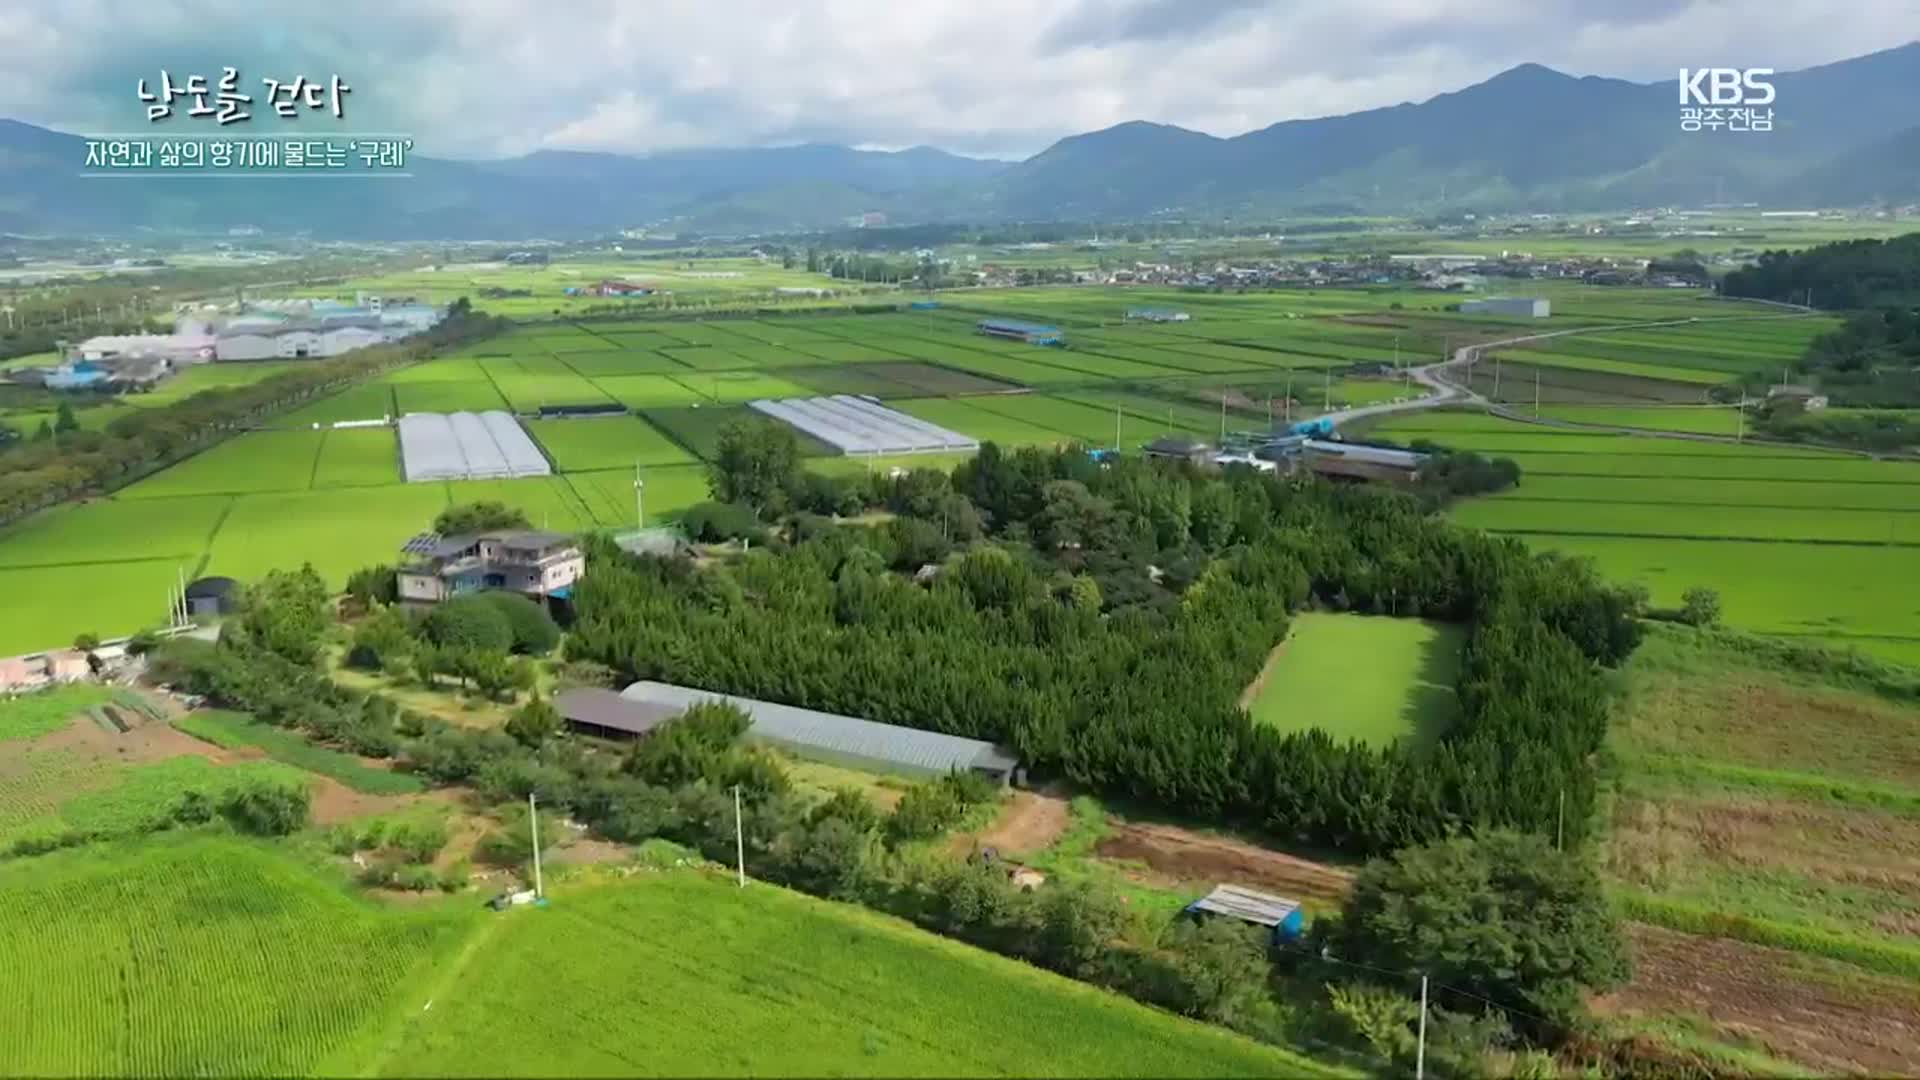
(1728, 96)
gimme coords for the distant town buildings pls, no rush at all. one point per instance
(256, 330)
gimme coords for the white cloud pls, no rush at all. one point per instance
(1003, 77)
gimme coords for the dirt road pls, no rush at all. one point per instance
(1176, 856)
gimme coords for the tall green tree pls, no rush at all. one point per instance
(483, 516)
(756, 462)
(287, 613)
(1503, 917)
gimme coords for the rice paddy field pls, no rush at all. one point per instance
(1799, 542)
(1373, 678)
(187, 955)
(298, 491)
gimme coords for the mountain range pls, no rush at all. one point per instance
(1530, 138)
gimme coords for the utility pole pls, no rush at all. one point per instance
(1289, 405)
(1420, 1052)
(1116, 428)
(1740, 434)
(739, 838)
(1269, 414)
(1496, 376)
(1223, 416)
(1536, 393)
(533, 823)
(1326, 390)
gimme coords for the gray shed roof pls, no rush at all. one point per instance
(607, 709)
(1247, 905)
(912, 748)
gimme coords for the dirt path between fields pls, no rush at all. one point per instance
(1818, 1013)
(1182, 857)
(1259, 683)
(1029, 824)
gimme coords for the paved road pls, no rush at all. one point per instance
(1444, 388)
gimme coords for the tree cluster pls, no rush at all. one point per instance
(1846, 275)
(1109, 619)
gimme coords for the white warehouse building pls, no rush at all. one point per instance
(1525, 307)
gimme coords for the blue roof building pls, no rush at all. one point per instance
(79, 375)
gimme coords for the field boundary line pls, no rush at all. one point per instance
(1823, 508)
(1252, 693)
(1788, 540)
(440, 987)
(319, 450)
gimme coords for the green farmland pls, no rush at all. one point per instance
(226, 926)
(1798, 542)
(1372, 678)
(297, 492)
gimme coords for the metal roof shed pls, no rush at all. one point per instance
(1278, 913)
(604, 713)
(863, 744)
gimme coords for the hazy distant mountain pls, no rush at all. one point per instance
(1528, 138)
(42, 190)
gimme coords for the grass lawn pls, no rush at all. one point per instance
(1364, 677)
(767, 981)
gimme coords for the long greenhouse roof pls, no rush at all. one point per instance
(931, 751)
(1016, 326)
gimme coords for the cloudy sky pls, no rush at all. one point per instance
(1001, 78)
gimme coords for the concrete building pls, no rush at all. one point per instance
(181, 347)
(1523, 307)
(538, 565)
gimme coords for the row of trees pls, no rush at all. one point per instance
(35, 473)
(1108, 623)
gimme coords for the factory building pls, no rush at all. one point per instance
(1014, 330)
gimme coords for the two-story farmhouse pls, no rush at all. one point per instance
(535, 564)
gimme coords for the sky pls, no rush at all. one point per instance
(988, 78)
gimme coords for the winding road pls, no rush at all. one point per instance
(1443, 390)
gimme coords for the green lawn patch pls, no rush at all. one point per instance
(1364, 677)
